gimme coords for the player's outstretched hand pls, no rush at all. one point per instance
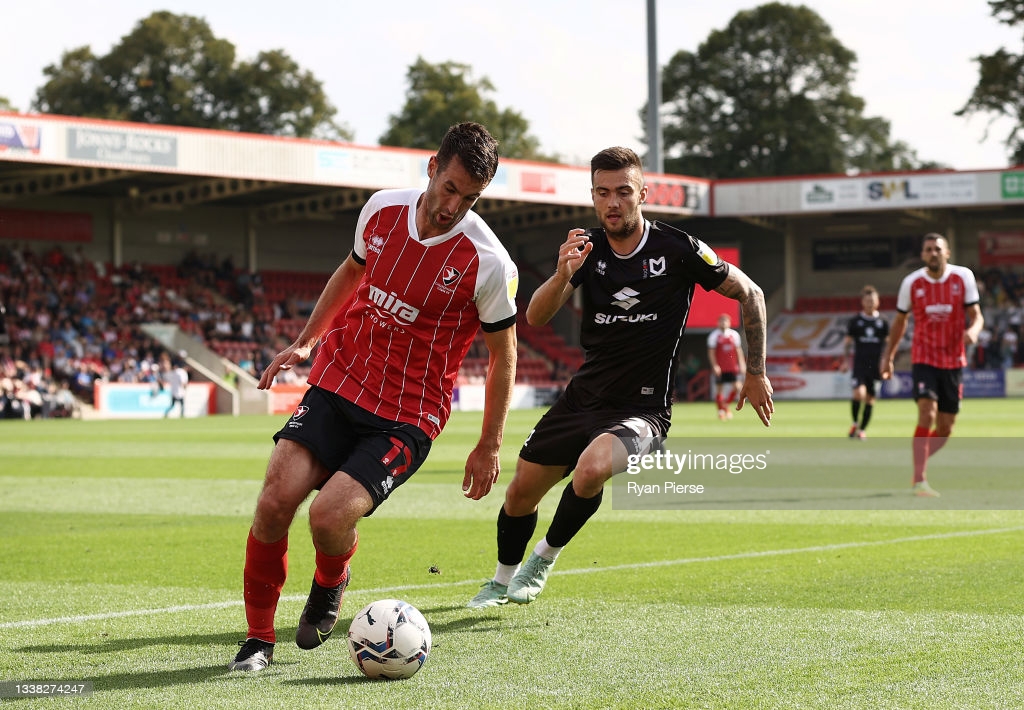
(573, 252)
(482, 469)
(757, 390)
(288, 358)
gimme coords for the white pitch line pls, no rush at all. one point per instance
(581, 570)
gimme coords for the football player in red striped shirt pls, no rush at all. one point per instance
(393, 325)
(943, 299)
(725, 354)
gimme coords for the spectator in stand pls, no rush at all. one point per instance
(1009, 343)
(983, 349)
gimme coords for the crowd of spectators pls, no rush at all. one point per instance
(1001, 342)
(60, 336)
(67, 323)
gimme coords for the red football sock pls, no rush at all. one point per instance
(719, 401)
(266, 567)
(936, 442)
(921, 439)
(732, 396)
(330, 569)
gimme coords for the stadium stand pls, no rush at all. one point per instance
(66, 323)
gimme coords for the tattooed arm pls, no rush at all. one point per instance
(756, 387)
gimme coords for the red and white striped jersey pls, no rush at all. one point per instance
(726, 344)
(938, 309)
(396, 350)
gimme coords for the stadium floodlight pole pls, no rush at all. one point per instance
(655, 164)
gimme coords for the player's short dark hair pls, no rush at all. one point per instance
(869, 291)
(615, 158)
(933, 237)
(475, 148)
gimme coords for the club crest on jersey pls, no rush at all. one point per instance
(601, 267)
(447, 279)
(450, 275)
(376, 244)
(654, 267)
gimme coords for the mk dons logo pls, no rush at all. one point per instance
(654, 267)
(625, 298)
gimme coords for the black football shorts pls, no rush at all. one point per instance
(944, 386)
(379, 453)
(563, 433)
(866, 374)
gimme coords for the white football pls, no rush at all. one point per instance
(389, 639)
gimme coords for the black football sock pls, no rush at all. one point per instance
(867, 417)
(572, 513)
(514, 535)
(855, 408)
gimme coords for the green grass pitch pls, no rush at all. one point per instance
(122, 543)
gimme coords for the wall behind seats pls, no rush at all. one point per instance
(317, 246)
(165, 237)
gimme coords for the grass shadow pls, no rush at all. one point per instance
(107, 644)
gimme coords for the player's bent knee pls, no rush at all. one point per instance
(588, 483)
(339, 505)
(521, 500)
(528, 487)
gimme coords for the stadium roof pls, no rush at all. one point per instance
(142, 168)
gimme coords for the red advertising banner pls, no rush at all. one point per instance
(708, 305)
(45, 226)
(995, 248)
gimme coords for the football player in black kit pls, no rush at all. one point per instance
(866, 335)
(636, 279)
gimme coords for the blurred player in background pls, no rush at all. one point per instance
(866, 337)
(393, 324)
(174, 377)
(942, 297)
(725, 353)
(635, 279)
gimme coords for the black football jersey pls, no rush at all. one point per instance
(634, 315)
(869, 334)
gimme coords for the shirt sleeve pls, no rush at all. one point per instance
(496, 295)
(365, 214)
(903, 295)
(971, 295)
(704, 266)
